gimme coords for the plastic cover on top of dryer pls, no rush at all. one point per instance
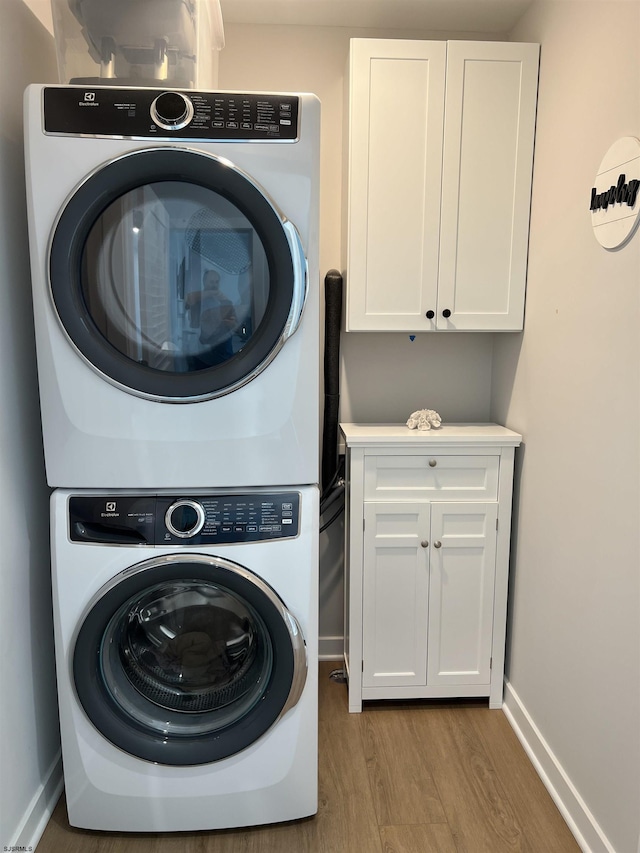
(138, 42)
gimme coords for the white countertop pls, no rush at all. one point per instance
(361, 435)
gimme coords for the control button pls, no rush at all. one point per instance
(287, 521)
(185, 518)
(172, 111)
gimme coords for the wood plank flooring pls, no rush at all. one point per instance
(417, 777)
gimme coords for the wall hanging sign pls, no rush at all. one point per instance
(615, 197)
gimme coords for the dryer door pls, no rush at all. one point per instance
(174, 275)
(185, 661)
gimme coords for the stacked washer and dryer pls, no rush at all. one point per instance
(174, 251)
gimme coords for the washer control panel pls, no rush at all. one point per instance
(166, 114)
(184, 520)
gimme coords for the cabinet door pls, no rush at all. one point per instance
(486, 184)
(395, 594)
(396, 108)
(462, 574)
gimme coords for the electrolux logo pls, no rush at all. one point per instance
(89, 100)
(110, 510)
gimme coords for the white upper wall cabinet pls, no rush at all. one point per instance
(440, 153)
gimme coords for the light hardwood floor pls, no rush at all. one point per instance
(420, 777)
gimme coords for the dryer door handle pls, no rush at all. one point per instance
(300, 279)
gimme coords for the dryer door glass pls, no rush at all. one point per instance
(175, 276)
(185, 662)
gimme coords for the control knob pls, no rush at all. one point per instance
(185, 518)
(172, 110)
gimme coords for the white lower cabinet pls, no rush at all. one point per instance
(428, 593)
(427, 545)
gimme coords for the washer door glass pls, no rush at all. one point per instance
(187, 662)
(174, 275)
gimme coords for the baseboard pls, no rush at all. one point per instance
(573, 808)
(40, 809)
(331, 648)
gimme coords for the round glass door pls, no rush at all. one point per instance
(187, 662)
(174, 275)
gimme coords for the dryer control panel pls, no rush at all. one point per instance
(207, 519)
(161, 114)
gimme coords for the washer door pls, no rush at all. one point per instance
(174, 275)
(185, 661)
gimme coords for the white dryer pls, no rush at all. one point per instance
(186, 651)
(174, 255)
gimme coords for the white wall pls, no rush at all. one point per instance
(29, 740)
(571, 385)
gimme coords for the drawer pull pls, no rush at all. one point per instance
(437, 544)
(432, 463)
(424, 543)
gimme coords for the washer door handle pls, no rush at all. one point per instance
(300, 279)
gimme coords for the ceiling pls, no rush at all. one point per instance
(478, 16)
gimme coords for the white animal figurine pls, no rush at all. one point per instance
(424, 419)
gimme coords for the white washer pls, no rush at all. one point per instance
(187, 669)
(174, 254)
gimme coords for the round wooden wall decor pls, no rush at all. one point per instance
(615, 196)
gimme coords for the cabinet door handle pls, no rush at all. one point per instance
(424, 543)
(437, 544)
(433, 463)
(446, 313)
(430, 314)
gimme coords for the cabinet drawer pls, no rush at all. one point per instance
(431, 477)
